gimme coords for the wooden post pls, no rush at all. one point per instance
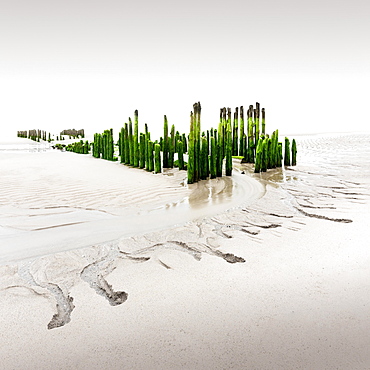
(180, 153)
(287, 152)
(157, 158)
(213, 158)
(165, 143)
(294, 153)
(191, 153)
(135, 139)
(241, 133)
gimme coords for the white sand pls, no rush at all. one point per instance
(299, 301)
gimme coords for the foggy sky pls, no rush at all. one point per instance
(90, 64)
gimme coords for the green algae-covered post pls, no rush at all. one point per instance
(241, 132)
(274, 149)
(135, 139)
(150, 156)
(258, 162)
(96, 151)
(86, 147)
(229, 126)
(121, 145)
(287, 152)
(126, 145)
(257, 123)
(191, 151)
(165, 143)
(229, 143)
(194, 145)
(264, 164)
(177, 138)
(106, 145)
(263, 121)
(280, 154)
(184, 143)
(171, 147)
(110, 145)
(180, 153)
(203, 174)
(250, 151)
(219, 158)
(147, 137)
(208, 153)
(269, 158)
(131, 142)
(157, 158)
(221, 128)
(294, 153)
(235, 132)
(142, 150)
(213, 158)
(197, 127)
(147, 159)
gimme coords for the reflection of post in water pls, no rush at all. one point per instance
(215, 191)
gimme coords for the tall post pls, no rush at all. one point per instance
(180, 153)
(229, 143)
(165, 143)
(250, 153)
(294, 153)
(171, 147)
(235, 132)
(257, 122)
(135, 139)
(142, 150)
(241, 133)
(191, 151)
(287, 152)
(131, 142)
(213, 158)
(157, 158)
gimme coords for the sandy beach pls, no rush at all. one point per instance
(103, 266)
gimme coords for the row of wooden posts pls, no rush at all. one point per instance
(38, 135)
(35, 135)
(210, 153)
(73, 133)
(138, 150)
(81, 147)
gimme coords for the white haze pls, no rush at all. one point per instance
(91, 64)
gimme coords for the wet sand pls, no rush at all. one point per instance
(279, 280)
(54, 201)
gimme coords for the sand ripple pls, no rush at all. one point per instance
(53, 201)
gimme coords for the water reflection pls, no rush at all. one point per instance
(273, 176)
(211, 192)
(210, 197)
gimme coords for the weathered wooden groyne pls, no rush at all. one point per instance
(36, 135)
(73, 133)
(209, 153)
